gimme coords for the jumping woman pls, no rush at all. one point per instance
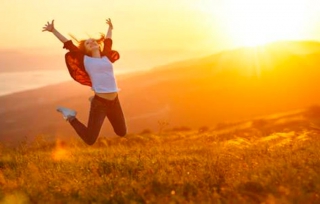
(91, 64)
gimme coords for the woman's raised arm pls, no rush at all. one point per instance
(50, 28)
(109, 32)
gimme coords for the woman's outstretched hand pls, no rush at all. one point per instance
(108, 21)
(49, 26)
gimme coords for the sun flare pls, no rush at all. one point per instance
(252, 22)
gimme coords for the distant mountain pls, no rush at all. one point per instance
(232, 85)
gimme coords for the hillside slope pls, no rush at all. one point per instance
(232, 85)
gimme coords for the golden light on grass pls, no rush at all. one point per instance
(60, 152)
(17, 198)
(240, 142)
(279, 136)
(177, 167)
(2, 179)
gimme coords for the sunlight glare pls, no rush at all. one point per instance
(251, 22)
(60, 152)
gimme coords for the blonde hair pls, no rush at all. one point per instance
(81, 43)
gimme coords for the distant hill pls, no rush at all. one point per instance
(15, 61)
(42, 59)
(232, 85)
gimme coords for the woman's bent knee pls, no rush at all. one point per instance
(121, 133)
(90, 141)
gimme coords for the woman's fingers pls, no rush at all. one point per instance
(49, 26)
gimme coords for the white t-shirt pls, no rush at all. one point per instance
(101, 74)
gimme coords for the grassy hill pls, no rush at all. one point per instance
(271, 159)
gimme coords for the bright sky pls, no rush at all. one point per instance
(181, 25)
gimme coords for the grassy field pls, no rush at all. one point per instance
(271, 160)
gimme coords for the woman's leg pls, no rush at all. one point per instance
(116, 117)
(96, 117)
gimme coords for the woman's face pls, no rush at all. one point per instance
(91, 45)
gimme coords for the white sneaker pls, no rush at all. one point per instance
(67, 113)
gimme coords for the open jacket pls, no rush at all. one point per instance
(74, 60)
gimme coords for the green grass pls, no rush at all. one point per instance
(239, 166)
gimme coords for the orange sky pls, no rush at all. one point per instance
(138, 24)
(203, 26)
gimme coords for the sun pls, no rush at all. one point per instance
(256, 22)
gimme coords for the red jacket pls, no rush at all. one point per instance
(74, 60)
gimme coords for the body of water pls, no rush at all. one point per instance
(12, 82)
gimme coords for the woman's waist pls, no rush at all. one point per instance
(108, 96)
(105, 89)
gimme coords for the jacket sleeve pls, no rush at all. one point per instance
(107, 46)
(107, 51)
(70, 46)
